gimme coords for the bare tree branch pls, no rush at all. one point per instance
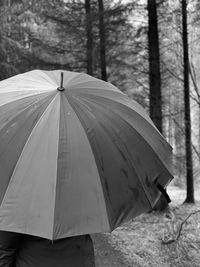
(175, 236)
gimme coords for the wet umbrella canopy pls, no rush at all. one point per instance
(77, 156)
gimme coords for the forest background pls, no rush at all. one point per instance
(111, 40)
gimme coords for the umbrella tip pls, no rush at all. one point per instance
(61, 88)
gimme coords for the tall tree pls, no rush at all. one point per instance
(188, 143)
(89, 37)
(102, 41)
(155, 77)
(154, 65)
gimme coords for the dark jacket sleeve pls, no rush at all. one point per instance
(9, 243)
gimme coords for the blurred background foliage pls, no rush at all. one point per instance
(51, 34)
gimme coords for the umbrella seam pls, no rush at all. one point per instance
(53, 229)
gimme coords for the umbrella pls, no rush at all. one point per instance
(77, 156)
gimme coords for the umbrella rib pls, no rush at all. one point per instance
(53, 231)
(112, 88)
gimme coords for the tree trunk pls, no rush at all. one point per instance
(154, 66)
(188, 145)
(102, 41)
(155, 78)
(89, 37)
(9, 26)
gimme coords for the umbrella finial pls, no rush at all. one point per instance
(61, 88)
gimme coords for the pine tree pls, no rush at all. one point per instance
(188, 144)
(89, 37)
(102, 41)
(154, 66)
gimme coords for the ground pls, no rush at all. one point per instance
(139, 243)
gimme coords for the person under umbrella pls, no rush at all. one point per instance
(20, 250)
(76, 158)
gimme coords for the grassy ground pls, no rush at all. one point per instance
(139, 243)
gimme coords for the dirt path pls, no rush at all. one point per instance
(108, 255)
(139, 242)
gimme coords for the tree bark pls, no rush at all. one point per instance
(155, 96)
(154, 66)
(188, 143)
(89, 37)
(102, 41)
